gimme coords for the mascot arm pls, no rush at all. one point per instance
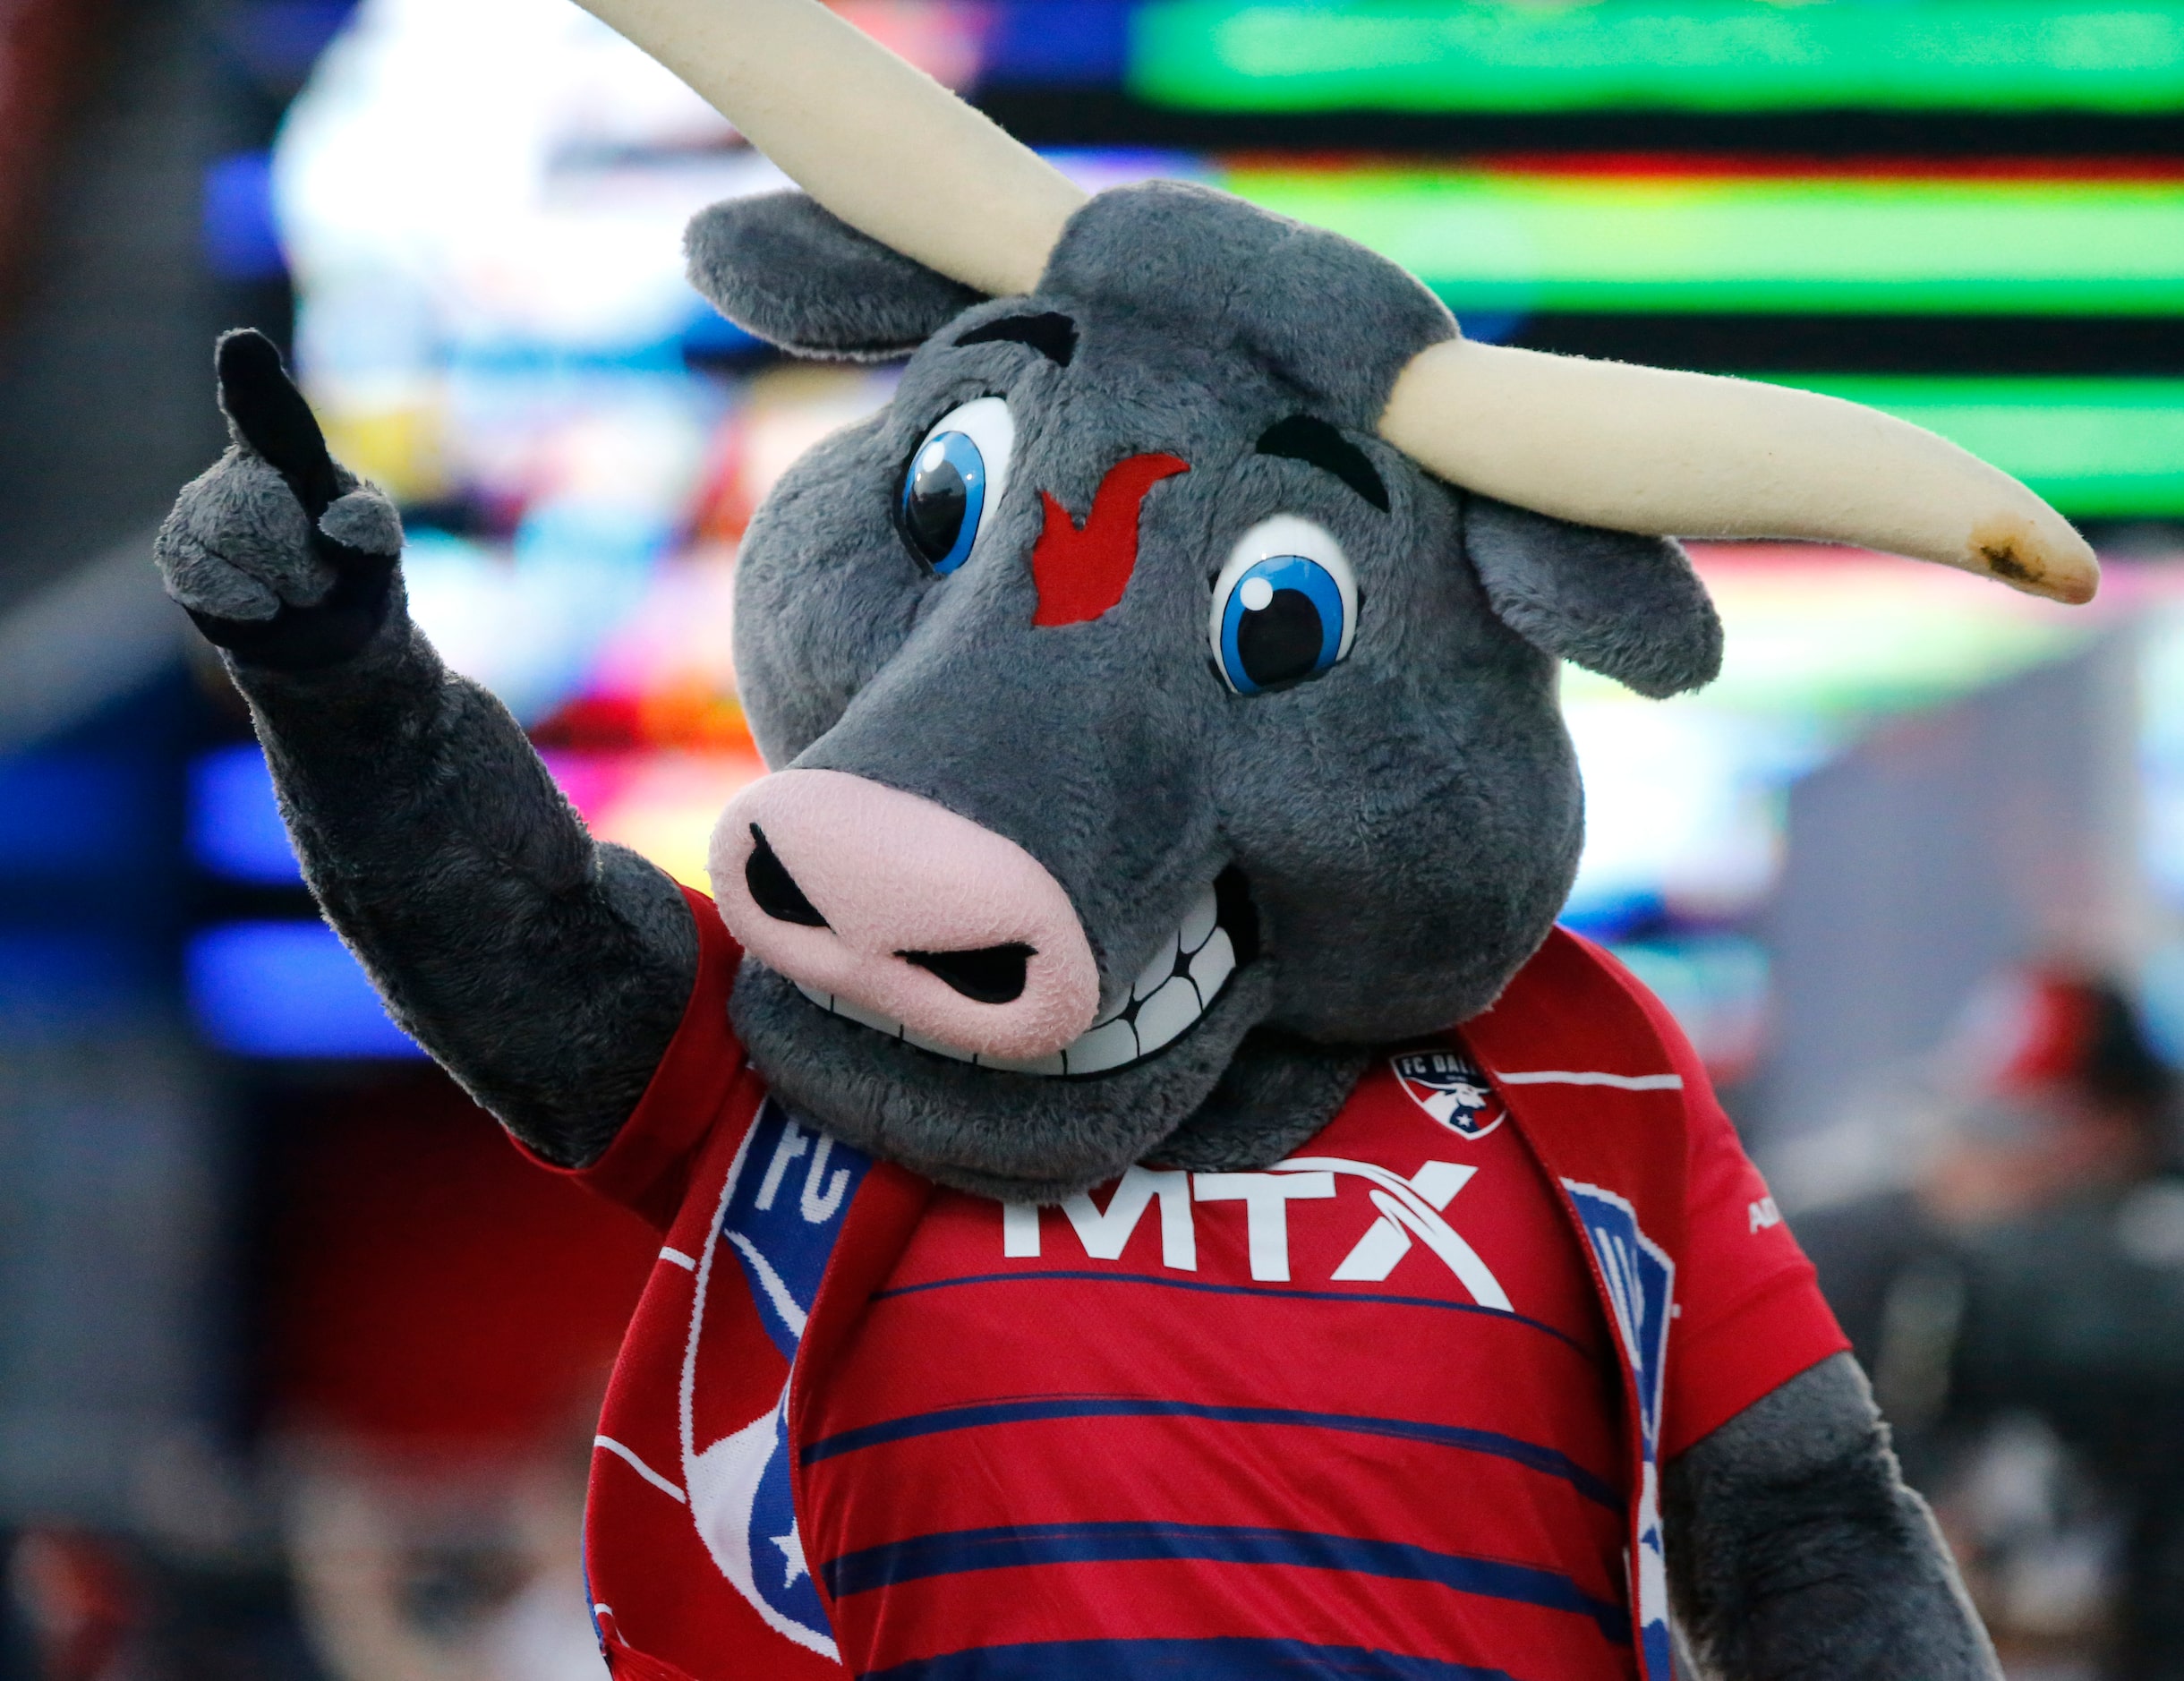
(545, 971)
(1795, 1549)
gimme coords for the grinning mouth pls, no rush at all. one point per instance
(1179, 984)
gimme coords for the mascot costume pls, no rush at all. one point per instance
(1146, 1190)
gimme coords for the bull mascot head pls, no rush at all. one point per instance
(1163, 685)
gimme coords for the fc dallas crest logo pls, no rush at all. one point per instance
(1448, 1087)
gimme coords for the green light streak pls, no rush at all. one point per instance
(1500, 241)
(2100, 448)
(1695, 54)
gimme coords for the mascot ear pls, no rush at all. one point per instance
(781, 268)
(1630, 608)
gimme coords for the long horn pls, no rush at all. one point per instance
(1689, 455)
(875, 140)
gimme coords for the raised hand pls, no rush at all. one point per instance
(280, 554)
(546, 971)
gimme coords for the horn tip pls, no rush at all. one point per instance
(2013, 550)
(2077, 590)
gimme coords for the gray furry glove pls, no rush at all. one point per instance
(1796, 1553)
(545, 971)
(282, 556)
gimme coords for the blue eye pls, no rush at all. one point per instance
(943, 496)
(954, 478)
(1285, 616)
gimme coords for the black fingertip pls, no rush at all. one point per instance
(249, 368)
(270, 415)
(244, 353)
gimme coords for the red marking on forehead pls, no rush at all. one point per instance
(1082, 570)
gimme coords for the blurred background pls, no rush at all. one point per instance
(297, 1362)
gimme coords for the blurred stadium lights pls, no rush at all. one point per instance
(1702, 235)
(2096, 448)
(1055, 43)
(241, 242)
(287, 989)
(234, 827)
(1712, 56)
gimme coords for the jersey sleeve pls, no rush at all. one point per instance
(1750, 1315)
(694, 1089)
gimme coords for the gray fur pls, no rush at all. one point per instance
(1277, 1091)
(364, 520)
(781, 268)
(1795, 1549)
(1629, 607)
(1334, 323)
(236, 543)
(545, 971)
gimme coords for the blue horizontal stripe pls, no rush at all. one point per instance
(1530, 1454)
(1500, 1314)
(1017, 1545)
(1223, 1659)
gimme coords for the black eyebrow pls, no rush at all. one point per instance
(1052, 335)
(1301, 437)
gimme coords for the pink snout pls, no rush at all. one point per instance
(903, 912)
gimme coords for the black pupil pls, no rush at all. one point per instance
(1279, 645)
(933, 507)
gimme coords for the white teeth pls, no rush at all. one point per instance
(1200, 922)
(1103, 1048)
(1164, 1016)
(1214, 964)
(1158, 968)
(835, 1005)
(1161, 1006)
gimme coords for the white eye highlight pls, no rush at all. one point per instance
(1284, 607)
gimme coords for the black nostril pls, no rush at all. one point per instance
(991, 975)
(774, 889)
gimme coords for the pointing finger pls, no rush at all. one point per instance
(270, 415)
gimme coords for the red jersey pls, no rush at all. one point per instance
(1393, 1407)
